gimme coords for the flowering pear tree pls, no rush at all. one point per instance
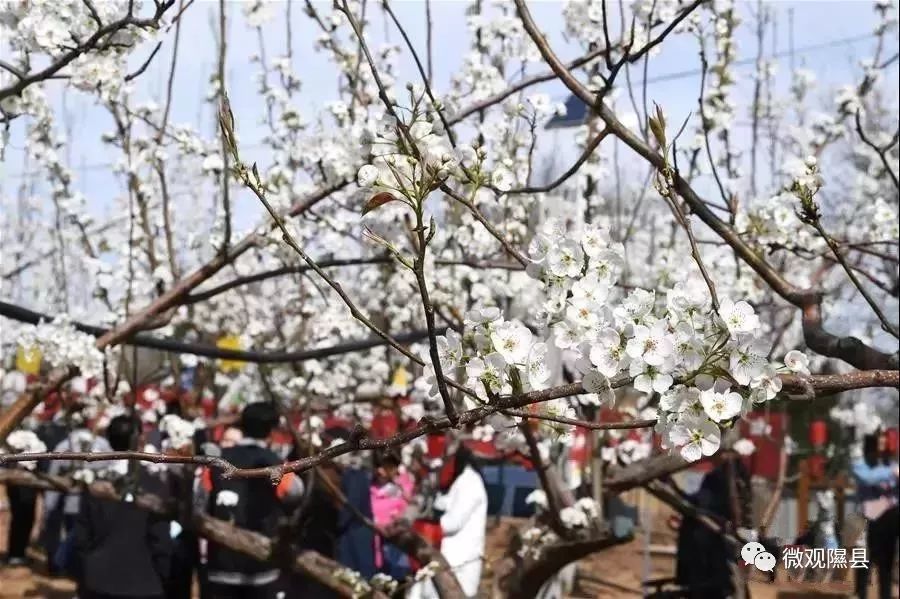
(410, 224)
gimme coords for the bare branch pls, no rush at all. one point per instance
(426, 77)
(881, 151)
(588, 150)
(143, 67)
(586, 424)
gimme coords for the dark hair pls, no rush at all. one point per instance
(870, 448)
(174, 407)
(464, 457)
(120, 432)
(336, 433)
(388, 457)
(258, 420)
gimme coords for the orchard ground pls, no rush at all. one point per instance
(612, 573)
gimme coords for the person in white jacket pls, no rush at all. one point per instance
(463, 524)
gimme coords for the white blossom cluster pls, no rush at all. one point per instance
(577, 519)
(708, 367)
(61, 344)
(408, 159)
(180, 431)
(33, 28)
(498, 357)
(579, 515)
(860, 416)
(25, 441)
(584, 20)
(362, 588)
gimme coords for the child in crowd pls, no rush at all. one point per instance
(392, 489)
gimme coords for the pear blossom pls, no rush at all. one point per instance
(565, 336)
(590, 288)
(449, 348)
(607, 265)
(744, 447)
(565, 259)
(696, 437)
(721, 407)
(488, 371)
(538, 498)
(797, 361)
(583, 312)
(652, 344)
(679, 399)
(25, 441)
(481, 316)
(767, 384)
(635, 306)
(538, 371)
(739, 317)
(687, 347)
(572, 517)
(607, 354)
(512, 340)
(594, 240)
(648, 378)
(748, 360)
(502, 179)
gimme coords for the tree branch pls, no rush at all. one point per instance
(850, 349)
(252, 544)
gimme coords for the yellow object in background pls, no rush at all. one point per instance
(401, 378)
(28, 360)
(230, 342)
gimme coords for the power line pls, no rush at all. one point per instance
(748, 61)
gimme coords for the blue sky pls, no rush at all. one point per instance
(814, 23)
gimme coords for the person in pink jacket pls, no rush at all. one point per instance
(392, 489)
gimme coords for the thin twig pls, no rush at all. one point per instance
(586, 424)
(143, 67)
(881, 151)
(516, 254)
(588, 150)
(836, 250)
(426, 77)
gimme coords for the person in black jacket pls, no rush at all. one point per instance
(705, 558)
(314, 522)
(22, 507)
(249, 503)
(122, 551)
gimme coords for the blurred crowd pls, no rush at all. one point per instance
(115, 547)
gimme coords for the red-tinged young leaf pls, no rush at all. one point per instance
(377, 200)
